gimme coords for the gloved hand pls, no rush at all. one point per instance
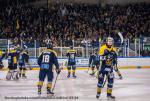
(58, 71)
(106, 52)
(1, 65)
(30, 68)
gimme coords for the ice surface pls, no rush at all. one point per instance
(135, 86)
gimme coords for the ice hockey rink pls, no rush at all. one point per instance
(135, 86)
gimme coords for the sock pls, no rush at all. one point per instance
(73, 72)
(23, 72)
(98, 90)
(40, 84)
(109, 91)
(20, 71)
(92, 70)
(49, 86)
(69, 71)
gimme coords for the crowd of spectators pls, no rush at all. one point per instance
(145, 53)
(66, 24)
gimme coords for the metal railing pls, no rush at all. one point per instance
(126, 49)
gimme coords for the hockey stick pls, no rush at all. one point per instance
(55, 82)
(118, 72)
(121, 37)
(88, 69)
(105, 81)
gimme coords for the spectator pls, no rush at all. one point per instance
(80, 20)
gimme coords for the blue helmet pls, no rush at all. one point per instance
(71, 47)
(49, 46)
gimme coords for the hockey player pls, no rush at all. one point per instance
(95, 58)
(107, 52)
(71, 54)
(46, 60)
(2, 55)
(23, 59)
(90, 60)
(12, 64)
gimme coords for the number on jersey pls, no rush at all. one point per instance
(45, 58)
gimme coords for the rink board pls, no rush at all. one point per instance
(83, 63)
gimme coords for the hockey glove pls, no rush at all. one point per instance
(58, 71)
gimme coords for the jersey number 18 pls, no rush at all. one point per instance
(45, 59)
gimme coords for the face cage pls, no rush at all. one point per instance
(110, 42)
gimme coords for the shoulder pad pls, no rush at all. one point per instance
(13, 51)
(71, 51)
(51, 51)
(114, 49)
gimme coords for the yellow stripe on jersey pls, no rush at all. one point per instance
(69, 51)
(114, 49)
(12, 51)
(104, 47)
(24, 52)
(15, 59)
(1, 53)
